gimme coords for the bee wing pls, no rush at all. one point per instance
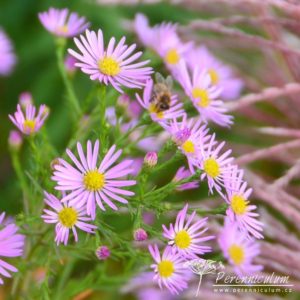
(159, 78)
(169, 82)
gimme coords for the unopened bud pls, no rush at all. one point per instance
(15, 139)
(103, 252)
(150, 159)
(140, 235)
(25, 99)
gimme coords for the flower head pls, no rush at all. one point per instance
(90, 184)
(216, 167)
(11, 245)
(60, 23)
(7, 55)
(140, 235)
(168, 44)
(186, 237)
(169, 269)
(28, 122)
(66, 217)
(189, 135)
(161, 105)
(239, 250)
(220, 74)
(15, 140)
(183, 173)
(240, 210)
(103, 252)
(204, 95)
(113, 65)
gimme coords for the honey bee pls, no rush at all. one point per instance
(161, 97)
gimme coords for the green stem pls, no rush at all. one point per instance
(74, 103)
(21, 177)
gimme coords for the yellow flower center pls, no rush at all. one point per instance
(182, 239)
(63, 29)
(188, 146)
(165, 268)
(211, 167)
(68, 217)
(172, 57)
(93, 180)
(109, 66)
(153, 109)
(238, 204)
(214, 77)
(202, 95)
(236, 254)
(29, 125)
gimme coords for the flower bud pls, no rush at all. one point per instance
(140, 235)
(103, 252)
(70, 64)
(15, 140)
(150, 159)
(25, 98)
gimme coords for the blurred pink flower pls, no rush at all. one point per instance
(7, 56)
(62, 23)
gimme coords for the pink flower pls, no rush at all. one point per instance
(204, 95)
(29, 123)
(11, 245)
(114, 65)
(7, 56)
(216, 167)
(240, 210)
(60, 23)
(66, 217)
(186, 237)
(89, 184)
(145, 33)
(169, 269)
(220, 74)
(239, 250)
(189, 136)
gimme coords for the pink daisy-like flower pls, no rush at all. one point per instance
(240, 211)
(169, 269)
(28, 122)
(239, 250)
(221, 75)
(168, 44)
(216, 167)
(153, 105)
(60, 23)
(145, 33)
(189, 135)
(66, 217)
(185, 237)
(183, 173)
(7, 55)
(204, 95)
(11, 245)
(88, 183)
(114, 65)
